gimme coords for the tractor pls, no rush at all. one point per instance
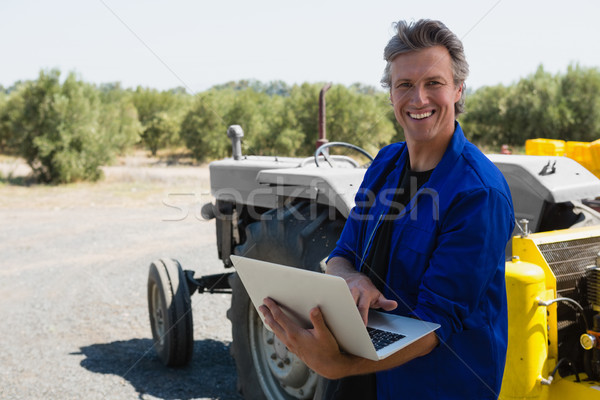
(291, 211)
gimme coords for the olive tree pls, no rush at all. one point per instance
(203, 128)
(580, 96)
(56, 128)
(160, 114)
(119, 117)
(358, 118)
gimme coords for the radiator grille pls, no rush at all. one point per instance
(570, 261)
(593, 288)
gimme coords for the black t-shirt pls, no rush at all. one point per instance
(376, 262)
(364, 387)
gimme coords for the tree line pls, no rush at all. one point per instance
(66, 128)
(562, 106)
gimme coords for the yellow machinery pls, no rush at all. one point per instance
(585, 153)
(553, 290)
(545, 147)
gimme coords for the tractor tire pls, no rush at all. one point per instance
(301, 237)
(170, 310)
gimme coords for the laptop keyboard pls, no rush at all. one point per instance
(381, 338)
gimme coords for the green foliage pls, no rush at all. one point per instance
(119, 117)
(7, 110)
(303, 103)
(486, 112)
(250, 110)
(160, 114)
(359, 119)
(285, 134)
(269, 124)
(284, 125)
(67, 130)
(273, 88)
(533, 109)
(55, 127)
(203, 128)
(541, 105)
(580, 96)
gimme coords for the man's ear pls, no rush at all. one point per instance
(459, 92)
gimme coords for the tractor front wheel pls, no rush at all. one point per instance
(169, 306)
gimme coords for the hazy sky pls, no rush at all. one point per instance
(197, 44)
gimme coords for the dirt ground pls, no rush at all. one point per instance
(73, 270)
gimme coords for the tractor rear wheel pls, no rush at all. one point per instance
(300, 236)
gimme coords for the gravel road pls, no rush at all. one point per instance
(73, 271)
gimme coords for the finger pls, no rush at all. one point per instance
(269, 302)
(270, 321)
(280, 317)
(355, 292)
(361, 303)
(320, 328)
(275, 317)
(316, 317)
(386, 304)
(363, 308)
(273, 308)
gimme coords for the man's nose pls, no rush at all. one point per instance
(418, 96)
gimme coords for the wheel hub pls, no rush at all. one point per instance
(282, 375)
(159, 321)
(293, 375)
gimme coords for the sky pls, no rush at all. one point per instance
(198, 44)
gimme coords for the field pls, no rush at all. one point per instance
(73, 271)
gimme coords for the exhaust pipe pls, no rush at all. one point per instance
(322, 122)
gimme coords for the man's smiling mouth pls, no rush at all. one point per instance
(422, 115)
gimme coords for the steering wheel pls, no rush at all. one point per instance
(321, 149)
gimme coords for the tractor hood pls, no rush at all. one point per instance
(333, 186)
(553, 179)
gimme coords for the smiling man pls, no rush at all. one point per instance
(423, 93)
(433, 250)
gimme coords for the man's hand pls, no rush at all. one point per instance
(316, 347)
(363, 291)
(320, 351)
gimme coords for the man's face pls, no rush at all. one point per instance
(423, 94)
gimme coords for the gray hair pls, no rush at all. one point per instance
(423, 34)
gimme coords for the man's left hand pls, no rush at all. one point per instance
(315, 346)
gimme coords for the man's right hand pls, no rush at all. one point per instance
(365, 294)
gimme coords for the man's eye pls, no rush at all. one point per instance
(434, 83)
(403, 85)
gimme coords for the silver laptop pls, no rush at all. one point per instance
(297, 291)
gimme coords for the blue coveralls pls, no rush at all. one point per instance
(446, 266)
